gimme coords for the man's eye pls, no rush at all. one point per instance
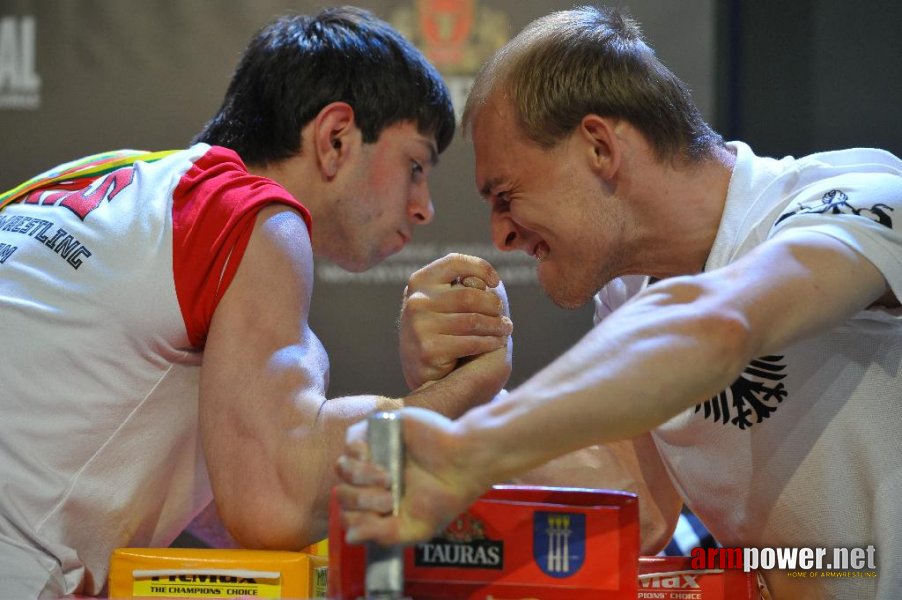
(416, 169)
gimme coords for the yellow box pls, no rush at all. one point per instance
(213, 573)
(320, 548)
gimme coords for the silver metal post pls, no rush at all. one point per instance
(385, 565)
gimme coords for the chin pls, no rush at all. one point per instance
(355, 264)
(566, 296)
(355, 268)
(569, 302)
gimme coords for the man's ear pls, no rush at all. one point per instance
(334, 135)
(604, 146)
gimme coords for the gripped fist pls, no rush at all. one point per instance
(439, 482)
(453, 308)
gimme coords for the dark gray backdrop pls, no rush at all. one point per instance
(84, 76)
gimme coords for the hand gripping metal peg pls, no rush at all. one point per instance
(385, 565)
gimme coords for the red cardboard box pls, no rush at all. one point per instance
(515, 542)
(672, 578)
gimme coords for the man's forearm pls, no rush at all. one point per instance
(473, 383)
(303, 473)
(624, 378)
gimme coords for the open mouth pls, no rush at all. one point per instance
(541, 251)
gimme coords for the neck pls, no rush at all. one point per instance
(296, 175)
(679, 208)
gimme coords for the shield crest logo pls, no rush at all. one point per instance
(559, 542)
(446, 26)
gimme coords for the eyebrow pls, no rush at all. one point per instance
(486, 190)
(433, 152)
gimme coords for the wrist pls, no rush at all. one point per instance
(480, 441)
(473, 457)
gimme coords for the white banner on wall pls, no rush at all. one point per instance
(20, 84)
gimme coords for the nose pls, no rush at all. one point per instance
(420, 209)
(505, 234)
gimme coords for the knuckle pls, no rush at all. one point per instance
(469, 299)
(416, 298)
(428, 351)
(473, 323)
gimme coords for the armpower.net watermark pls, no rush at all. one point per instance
(797, 562)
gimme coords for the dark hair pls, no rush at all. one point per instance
(298, 64)
(590, 61)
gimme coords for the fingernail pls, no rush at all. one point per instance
(474, 282)
(352, 536)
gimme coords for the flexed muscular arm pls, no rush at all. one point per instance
(270, 435)
(674, 344)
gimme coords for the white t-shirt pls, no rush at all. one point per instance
(805, 448)
(107, 289)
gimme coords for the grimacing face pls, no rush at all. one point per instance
(548, 203)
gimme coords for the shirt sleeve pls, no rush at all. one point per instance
(616, 293)
(862, 210)
(214, 208)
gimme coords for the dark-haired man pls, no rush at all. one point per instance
(155, 307)
(748, 356)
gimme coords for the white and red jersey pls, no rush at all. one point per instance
(804, 449)
(107, 290)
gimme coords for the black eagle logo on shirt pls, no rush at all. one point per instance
(836, 202)
(753, 397)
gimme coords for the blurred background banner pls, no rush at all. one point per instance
(83, 76)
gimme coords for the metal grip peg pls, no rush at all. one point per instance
(385, 565)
